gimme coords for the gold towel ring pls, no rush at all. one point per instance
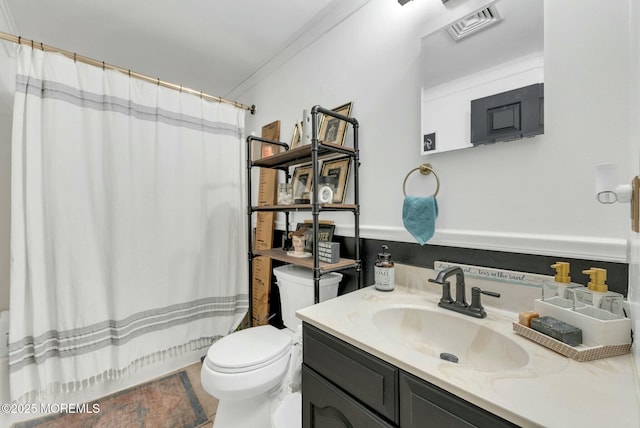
(425, 169)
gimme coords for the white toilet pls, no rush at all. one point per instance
(246, 369)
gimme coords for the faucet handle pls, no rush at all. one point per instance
(489, 293)
(476, 306)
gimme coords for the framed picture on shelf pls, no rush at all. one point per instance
(339, 169)
(325, 233)
(296, 138)
(334, 130)
(301, 181)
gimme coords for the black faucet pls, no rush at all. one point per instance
(460, 303)
(446, 286)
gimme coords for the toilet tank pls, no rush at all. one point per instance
(296, 290)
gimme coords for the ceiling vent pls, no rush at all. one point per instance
(475, 22)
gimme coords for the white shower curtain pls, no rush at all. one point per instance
(128, 240)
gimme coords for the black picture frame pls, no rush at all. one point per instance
(340, 170)
(325, 232)
(301, 181)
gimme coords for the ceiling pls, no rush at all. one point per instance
(223, 47)
(210, 46)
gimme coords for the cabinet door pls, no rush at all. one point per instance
(369, 379)
(423, 405)
(326, 406)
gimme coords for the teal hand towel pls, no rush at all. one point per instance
(419, 217)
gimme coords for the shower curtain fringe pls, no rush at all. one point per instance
(74, 56)
(52, 390)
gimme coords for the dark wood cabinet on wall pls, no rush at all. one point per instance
(345, 387)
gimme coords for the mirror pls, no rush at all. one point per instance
(492, 50)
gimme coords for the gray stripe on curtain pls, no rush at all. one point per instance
(54, 90)
(30, 350)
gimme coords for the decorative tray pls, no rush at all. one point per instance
(579, 353)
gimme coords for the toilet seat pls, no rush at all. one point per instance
(248, 350)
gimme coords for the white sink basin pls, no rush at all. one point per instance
(434, 332)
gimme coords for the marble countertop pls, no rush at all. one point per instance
(550, 390)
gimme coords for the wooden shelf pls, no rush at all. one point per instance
(312, 156)
(305, 207)
(301, 155)
(279, 254)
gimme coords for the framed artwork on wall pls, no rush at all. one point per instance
(332, 130)
(339, 169)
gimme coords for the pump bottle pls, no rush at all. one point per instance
(384, 271)
(597, 296)
(556, 291)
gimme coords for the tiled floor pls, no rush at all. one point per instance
(209, 403)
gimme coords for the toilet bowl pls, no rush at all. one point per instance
(246, 369)
(244, 372)
(288, 413)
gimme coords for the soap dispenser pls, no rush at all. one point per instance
(556, 291)
(596, 300)
(384, 271)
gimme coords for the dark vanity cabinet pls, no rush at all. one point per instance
(345, 387)
(425, 405)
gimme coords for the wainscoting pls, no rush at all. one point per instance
(424, 256)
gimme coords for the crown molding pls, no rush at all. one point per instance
(329, 17)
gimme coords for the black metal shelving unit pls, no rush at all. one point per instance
(310, 153)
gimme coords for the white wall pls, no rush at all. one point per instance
(533, 196)
(7, 69)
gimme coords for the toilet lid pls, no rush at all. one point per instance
(248, 349)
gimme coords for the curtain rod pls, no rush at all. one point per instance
(96, 63)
